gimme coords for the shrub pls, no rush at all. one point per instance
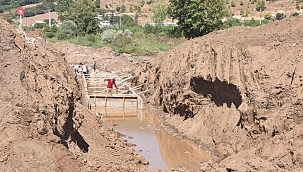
(251, 23)
(231, 22)
(50, 34)
(267, 16)
(122, 38)
(107, 36)
(91, 38)
(39, 25)
(67, 30)
(280, 16)
(173, 32)
(242, 12)
(241, 3)
(117, 39)
(233, 3)
(295, 14)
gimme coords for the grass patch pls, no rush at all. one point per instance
(145, 46)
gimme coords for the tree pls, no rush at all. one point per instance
(82, 12)
(247, 11)
(97, 3)
(138, 9)
(142, 3)
(67, 30)
(233, 3)
(127, 21)
(241, 3)
(198, 17)
(123, 8)
(29, 12)
(242, 12)
(63, 8)
(159, 10)
(260, 6)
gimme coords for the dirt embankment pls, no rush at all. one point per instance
(43, 124)
(105, 59)
(238, 92)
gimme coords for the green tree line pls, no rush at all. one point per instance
(11, 4)
(39, 9)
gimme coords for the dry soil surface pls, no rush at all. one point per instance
(44, 124)
(236, 92)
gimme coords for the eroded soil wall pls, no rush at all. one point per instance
(238, 92)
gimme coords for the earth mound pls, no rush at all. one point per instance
(237, 92)
(44, 125)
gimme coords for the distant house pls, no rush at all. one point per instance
(104, 23)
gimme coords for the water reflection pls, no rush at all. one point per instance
(161, 149)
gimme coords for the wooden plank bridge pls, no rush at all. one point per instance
(96, 94)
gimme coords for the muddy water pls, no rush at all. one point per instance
(161, 149)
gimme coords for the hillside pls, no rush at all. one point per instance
(237, 93)
(287, 7)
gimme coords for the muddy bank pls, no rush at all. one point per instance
(237, 92)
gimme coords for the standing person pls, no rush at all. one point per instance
(110, 83)
(84, 69)
(94, 65)
(80, 68)
(76, 68)
(79, 73)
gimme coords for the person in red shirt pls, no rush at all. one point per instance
(110, 83)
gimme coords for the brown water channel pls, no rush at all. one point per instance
(153, 142)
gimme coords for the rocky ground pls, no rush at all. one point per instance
(237, 93)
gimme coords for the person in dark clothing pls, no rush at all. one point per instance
(110, 83)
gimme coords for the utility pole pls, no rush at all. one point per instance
(120, 21)
(49, 19)
(260, 15)
(20, 19)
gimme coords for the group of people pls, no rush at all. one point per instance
(82, 68)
